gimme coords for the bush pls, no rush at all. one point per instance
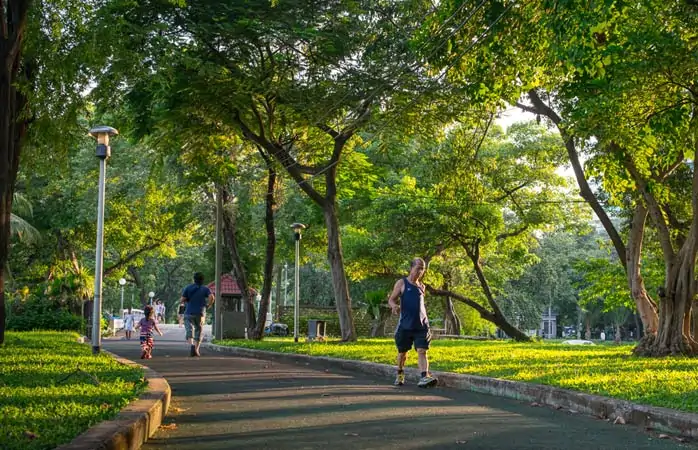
(41, 314)
(45, 396)
(332, 324)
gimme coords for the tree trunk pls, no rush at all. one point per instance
(510, 329)
(339, 278)
(587, 333)
(138, 281)
(238, 267)
(452, 322)
(378, 325)
(498, 317)
(13, 128)
(674, 334)
(2, 307)
(616, 339)
(328, 202)
(264, 303)
(694, 319)
(493, 317)
(277, 313)
(646, 307)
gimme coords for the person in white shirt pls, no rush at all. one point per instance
(129, 324)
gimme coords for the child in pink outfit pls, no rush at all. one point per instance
(147, 325)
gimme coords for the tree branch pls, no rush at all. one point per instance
(509, 192)
(282, 156)
(363, 114)
(527, 108)
(652, 204)
(584, 189)
(662, 176)
(503, 236)
(328, 130)
(260, 122)
(484, 313)
(474, 254)
(132, 256)
(484, 135)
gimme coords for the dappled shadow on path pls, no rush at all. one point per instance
(223, 402)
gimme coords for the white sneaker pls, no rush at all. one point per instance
(427, 381)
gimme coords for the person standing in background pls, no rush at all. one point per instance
(129, 324)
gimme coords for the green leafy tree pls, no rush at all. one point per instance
(617, 80)
(297, 79)
(472, 208)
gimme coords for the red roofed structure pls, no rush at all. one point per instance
(231, 295)
(229, 286)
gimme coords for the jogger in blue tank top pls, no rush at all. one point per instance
(413, 325)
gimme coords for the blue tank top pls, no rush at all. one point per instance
(413, 314)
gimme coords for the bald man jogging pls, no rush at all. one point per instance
(413, 326)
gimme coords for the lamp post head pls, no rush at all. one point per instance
(151, 294)
(297, 228)
(103, 133)
(122, 281)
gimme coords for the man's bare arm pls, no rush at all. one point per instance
(392, 300)
(211, 300)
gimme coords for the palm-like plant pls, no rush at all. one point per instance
(20, 227)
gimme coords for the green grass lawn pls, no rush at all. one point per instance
(44, 402)
(607, 370)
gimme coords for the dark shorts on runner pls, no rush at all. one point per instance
(404, 339)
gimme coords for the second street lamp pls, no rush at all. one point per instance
(122, 282)
(103, 151)
(297, 229)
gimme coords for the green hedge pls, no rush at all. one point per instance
(43, 314)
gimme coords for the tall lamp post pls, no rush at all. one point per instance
(297, 229)
(151, 294)
(103, 151)
(122, 282)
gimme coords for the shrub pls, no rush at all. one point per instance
(42, 314)
(331, 326)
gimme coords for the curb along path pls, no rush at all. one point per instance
(135, 423)
(618, 411)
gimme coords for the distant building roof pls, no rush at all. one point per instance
(229, 286)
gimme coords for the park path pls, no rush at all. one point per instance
(225, 402)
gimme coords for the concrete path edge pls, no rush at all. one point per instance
(618, 411)
(135, 423)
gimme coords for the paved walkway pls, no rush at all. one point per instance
(225, 402)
